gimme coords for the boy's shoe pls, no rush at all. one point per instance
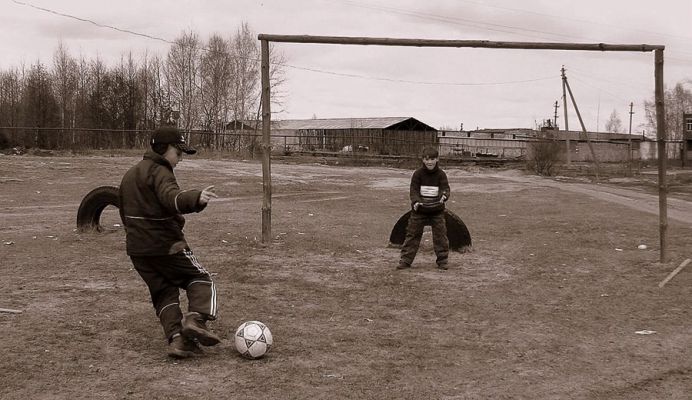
(403, 265)
(194, 327)
(178, 347)
(193, 346)
(443, 266)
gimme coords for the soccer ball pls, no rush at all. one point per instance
(253, 339)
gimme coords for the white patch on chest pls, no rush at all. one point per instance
(429, 191)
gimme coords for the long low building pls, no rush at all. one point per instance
(383, 136)
(518, 143)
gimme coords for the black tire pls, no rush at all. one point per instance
(93, 204)
(398, 235)
(457, 233)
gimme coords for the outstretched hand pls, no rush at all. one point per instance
(207, 194)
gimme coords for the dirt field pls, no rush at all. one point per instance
(547, 306)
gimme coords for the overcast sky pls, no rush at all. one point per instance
(443, 87)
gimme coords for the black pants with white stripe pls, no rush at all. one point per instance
(165, 276)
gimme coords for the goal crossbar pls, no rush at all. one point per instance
(377, 41)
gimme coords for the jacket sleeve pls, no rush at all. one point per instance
(444, 186)
(174, 200)
(414, 191)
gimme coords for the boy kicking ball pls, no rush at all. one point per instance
(152, 207)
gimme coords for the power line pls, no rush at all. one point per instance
(600, 89)
(497, 27)
(453, 20)
(91, 22)
(576, 20)
(127, 31)
(418, 82)
(591, 76)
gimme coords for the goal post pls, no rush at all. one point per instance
(379, 41)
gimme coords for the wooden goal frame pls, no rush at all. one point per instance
(374, 41)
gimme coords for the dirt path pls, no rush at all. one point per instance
(679, 210)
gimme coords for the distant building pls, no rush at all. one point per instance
(686, 137)
(513, 143)
(385, 135)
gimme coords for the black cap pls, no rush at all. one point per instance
(171, 135)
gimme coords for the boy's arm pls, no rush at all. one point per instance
(445, 191)
(414, 191)
(176, 201)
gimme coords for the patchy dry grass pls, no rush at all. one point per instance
(545, 307)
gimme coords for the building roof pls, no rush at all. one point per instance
(401, 123)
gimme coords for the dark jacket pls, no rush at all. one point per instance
(151, 208)
(427, 188)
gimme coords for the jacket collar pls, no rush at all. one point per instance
(157, 158)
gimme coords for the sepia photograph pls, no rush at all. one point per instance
(346, 199)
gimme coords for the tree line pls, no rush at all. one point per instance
(202, 85)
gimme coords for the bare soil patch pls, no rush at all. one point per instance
(547, 306)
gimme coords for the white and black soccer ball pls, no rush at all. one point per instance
(253, 339)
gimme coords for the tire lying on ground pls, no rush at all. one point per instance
(92, 206)
(457, 233)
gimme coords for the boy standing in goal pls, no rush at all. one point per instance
(428, 192)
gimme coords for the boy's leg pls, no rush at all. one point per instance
(164, 295)
(185, 271)
(440, 240)
(201, 291)
(414, 233)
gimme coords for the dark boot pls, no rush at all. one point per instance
(403, 265)
(194, 327)
(193, 346)
(177, 347)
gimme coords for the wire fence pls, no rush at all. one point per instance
(346, 142)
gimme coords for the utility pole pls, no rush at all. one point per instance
(564, 107)
(583, 128)
(629, 139)
(555, 115)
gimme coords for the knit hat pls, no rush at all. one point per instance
(171, 135)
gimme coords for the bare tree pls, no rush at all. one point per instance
(10, 96)
(614, 123)
(246, 71)
(64, 83)
(159, 90)
(183, 77)
(246, 88)
(678, 101)
(277, 78)
(216, 72)
(10, 110)
(81, 98)
(150, 84)
(96, 113)
(39, 104)
(132, 94)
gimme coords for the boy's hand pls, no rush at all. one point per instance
(443, 199)
(206, 195)
(415, 206)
